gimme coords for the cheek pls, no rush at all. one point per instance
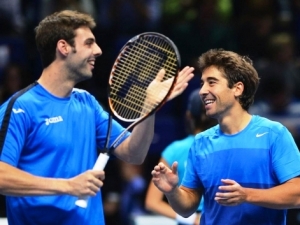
(225, 97)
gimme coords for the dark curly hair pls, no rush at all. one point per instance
(235, 68)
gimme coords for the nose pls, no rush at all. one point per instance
(203, 90)
(97, 51)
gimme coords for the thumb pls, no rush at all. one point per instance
(160, 75)
(175, 167)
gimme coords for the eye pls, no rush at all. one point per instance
(212, 82)
(90, 42)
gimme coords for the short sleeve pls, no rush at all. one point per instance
(285, 156)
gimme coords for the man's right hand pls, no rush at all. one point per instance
(87, 183)
(164, 178)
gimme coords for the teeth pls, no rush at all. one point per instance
(91, 62)
(208, 102)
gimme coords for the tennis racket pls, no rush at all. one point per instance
(137, 86)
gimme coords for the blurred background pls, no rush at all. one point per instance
(268, 31)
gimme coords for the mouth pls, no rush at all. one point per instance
(92, 63)
(208, 102)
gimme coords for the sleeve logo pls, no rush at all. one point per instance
(16, 111)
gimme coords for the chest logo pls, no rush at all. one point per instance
(262, 134)
(16, 111)
(55, 119)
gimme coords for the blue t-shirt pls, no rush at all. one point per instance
(263, 155)
(178, 151)
(56, 138)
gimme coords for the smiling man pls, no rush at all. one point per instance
(50, 131)
(247, 167)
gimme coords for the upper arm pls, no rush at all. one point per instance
(191, 177)
(285, 156)
(15, 135)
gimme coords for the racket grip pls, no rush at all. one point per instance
(101, 161)
(99, 165)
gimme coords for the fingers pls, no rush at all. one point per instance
(228, 181)
(228, 202)
(184, 76)
(184, 73)
(87, 183)
(98, 182)
(160, 75)
(231, 193)
(94, 182)
(158, 168)
(228, 199)
(221, 195)
(229, 185)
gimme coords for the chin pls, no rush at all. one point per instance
(83, 77)
(211, 115)
(87, 76)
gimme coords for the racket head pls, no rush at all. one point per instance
(136, 66)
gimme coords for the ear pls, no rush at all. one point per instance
(239, 88)
(63, 47)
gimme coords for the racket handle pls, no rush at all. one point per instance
(101, 161)
(99, 165)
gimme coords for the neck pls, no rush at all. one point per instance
(55, 81)
(235, 123)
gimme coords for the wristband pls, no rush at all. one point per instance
(189, 220)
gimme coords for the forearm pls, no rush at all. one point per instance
(15, 182)
(283, 196)
(135, 148)
(184, 202)
(154, 202)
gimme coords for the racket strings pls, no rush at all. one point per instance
(136, 68)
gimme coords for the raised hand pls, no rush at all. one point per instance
(164, 178)
(158, 88)
(184, 76)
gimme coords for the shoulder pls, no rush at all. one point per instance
(265, 123)
(209, 132)
(82, 94)
(21, 98)
(86, 97)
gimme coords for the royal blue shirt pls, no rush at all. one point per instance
(263, 155)
(56, 138)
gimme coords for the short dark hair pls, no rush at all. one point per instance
(235, 68)
(59, 25)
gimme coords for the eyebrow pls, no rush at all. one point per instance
(210, 79)
(90, 40)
